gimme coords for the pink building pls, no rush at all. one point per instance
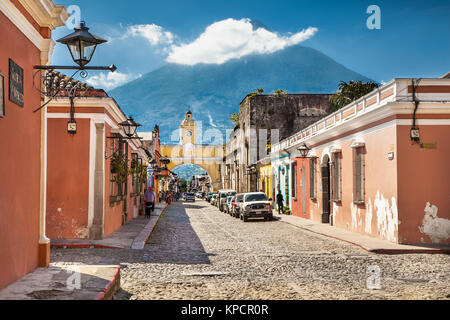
(25, 41)
(88, 194)
(368, 173)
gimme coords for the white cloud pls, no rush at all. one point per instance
(154, 34)
(229, 39)
(110, 80)
(211, 123)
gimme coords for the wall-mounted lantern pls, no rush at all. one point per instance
(304, 151)
(81, 44)
(130, 126)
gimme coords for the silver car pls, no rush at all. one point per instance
(190, 197)
(256, 205)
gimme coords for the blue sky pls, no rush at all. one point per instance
(413, 40)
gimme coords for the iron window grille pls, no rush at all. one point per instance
(336, 174)
(294, 180)
(358, 175)
(312, 179)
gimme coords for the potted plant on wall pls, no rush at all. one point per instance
(119, 172)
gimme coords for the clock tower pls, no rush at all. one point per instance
(188, 130)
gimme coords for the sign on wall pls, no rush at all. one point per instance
(15, 83)
(2, 95)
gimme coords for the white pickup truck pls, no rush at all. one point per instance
(255, 205)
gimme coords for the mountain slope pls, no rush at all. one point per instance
(215, 91)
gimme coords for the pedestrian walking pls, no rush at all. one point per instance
(149, 198)
(280, 200)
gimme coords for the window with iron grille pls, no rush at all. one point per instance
(113, 185)
(336, 174)
(358, 175)
(134, 170)
(312, 179)
(140, 176)
(294, 180)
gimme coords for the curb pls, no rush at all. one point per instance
(139, 245)
(156, 224)
(111, 289)
(83, 246)
(379, 251)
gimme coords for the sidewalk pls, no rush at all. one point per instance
(367, 243)
(137, 229)
(67, 281)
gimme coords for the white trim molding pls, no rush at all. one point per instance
(357, 143)
(60, 15)
(335, 149)
(46, 13)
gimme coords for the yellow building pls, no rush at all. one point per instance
(188, 151)
(265, 179)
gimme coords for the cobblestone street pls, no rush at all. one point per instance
(197, 252)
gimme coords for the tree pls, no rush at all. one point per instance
(236, 118)
(280, 92)
(351, 91)
(183, 185)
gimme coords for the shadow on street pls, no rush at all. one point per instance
(174, 241)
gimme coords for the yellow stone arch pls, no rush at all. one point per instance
(208, 157)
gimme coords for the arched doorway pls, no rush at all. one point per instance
(326, 190)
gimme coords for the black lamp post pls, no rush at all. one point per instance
(81, 44)
(304, 151)
(130, 126)
(165, 161)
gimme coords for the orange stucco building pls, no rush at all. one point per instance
(89, 195)
(25, 41)
(366, 174)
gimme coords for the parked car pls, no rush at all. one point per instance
(236, 205)
(214, 199)
(190, 197)
(256, 205)
(228, 204)
(222, 200)
(209, 196)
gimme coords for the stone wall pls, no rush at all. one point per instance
(267, 119)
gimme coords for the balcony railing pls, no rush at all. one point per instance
(368, 103)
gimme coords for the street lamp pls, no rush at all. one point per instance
(130, 126)
(81, 44)
(165, 161)
(304, 151)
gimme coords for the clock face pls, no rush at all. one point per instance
(189, 133)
